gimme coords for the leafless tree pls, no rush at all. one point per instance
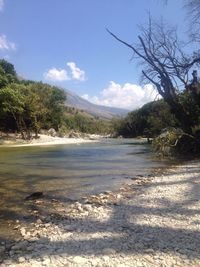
(164, 64)
(193, 10)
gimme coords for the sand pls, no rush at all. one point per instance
(46, 140)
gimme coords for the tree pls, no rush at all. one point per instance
(35, 109)
(12, 102)
(8, 71)
(56, 107)
(3, 77)
(165, 65)
(193, 9)
(44, 106)
(33, 106)
(147, 121)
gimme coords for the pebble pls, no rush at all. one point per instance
(21, 259)
(39, 221)
(149, 227)
(23, 231)
(79, 260)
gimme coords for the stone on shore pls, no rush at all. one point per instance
(152, 222)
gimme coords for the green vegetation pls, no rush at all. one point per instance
(85, 123)
(147, 121)
(156, 120)
(167, 63)
(28, 106)
(174, 142)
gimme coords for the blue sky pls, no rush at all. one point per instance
(64, 42)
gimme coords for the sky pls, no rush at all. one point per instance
(65, 43)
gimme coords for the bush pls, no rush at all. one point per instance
(174, 142)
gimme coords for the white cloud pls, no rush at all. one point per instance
(77, 74)
(128, 96)
(56, 75)
(5, 44)
(1, 5)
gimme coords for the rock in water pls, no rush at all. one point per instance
(34, 196)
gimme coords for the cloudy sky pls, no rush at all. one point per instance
(64, 42)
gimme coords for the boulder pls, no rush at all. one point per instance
(52, 132)
(73, 134)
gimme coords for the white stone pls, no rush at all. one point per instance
(79, 260)
(21, 259)
(23, 231)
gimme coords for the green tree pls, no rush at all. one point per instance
(166, 65)
(3, 78)
(147, 121)
(56, 103)
(7, 73)
(12, 102)
(44, 106)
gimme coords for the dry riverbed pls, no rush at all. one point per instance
(153, 221)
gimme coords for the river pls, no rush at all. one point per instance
(68, 171)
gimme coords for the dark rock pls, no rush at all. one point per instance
(34, 196)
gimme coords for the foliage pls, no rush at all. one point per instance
(147, 121)
(82, 122)
(166, 65)
(7, 73)
(12, 102)
(44, 106)
(173, 142)
(191, 104)
(27, 106)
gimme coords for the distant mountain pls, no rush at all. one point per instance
(103, 112)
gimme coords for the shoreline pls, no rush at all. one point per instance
(150, 222)
(46, 140)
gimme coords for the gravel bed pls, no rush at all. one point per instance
(153, 221)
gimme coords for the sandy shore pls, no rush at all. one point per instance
(46, 140)
(152, 222)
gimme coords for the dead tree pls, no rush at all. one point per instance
(165, 65)
(193, 12)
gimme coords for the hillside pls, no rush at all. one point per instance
(102, 112)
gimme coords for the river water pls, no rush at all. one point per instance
(68, 171)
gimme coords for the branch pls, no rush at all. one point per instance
(155, 83)
(130, 46)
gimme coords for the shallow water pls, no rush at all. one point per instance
(68, 171)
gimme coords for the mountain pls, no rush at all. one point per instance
(103, 112)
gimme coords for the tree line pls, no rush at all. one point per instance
(28, 106)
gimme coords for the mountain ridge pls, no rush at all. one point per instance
(103, 112)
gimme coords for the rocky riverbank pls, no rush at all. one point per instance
(153, 221)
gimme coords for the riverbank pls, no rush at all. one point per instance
(153, 221)
(46, 140)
